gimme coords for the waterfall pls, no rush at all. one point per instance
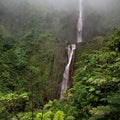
(65, 81)
(80, 23)
(70, 49)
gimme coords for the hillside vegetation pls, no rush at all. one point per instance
(33, 40)
(95, 93)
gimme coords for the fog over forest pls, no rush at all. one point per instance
(99, 15)
(59, 61)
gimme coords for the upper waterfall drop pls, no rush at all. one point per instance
(80, 23)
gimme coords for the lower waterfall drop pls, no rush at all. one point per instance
(65, 81)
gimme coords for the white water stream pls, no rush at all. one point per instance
(65, 81)
(80, 23)
(70, 49)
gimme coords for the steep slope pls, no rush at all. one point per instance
(95, 94)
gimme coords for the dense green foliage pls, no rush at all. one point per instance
(32, 60)
(29, 65)
(96, 90)
(95, 94)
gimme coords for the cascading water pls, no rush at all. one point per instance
(65, 81)
(80, 23)
(71, 49)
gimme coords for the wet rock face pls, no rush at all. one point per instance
(66, 74)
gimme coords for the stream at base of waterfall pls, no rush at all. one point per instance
(71, 50)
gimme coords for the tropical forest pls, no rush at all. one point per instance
(59, 59)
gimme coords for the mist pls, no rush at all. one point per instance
(59, 17)
(100, 17)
